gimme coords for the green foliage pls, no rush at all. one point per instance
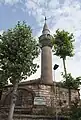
(63, 44)
(45, 111)
(18, 49)
(70, 82)
(75, 111)
(3, 79)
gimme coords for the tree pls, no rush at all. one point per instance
(75, 111)
(63, 45)
(71, 83)
(3, 81)
(18, 49)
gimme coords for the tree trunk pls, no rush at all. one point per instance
(13, 101)
(69, 96)
(69, 91)
(64, 67)
(0, 94)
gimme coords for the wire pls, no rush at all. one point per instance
(37, 28)
(39, 5)
(36, 3)
(41, 22)
(51, 17)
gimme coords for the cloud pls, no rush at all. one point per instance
(38, 73)
(10, 2)
(63, 14)
(53, 8)
(1, 32)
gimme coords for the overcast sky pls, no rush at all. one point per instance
(62, 14)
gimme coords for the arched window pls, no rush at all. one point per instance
(24, 98)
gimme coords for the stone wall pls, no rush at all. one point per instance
(33, 117)
(41, 95)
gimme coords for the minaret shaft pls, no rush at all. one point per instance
(46, 65)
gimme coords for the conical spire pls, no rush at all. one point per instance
(45, 28)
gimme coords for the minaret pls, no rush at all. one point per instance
(46, 55)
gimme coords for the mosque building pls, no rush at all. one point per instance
(38, 94)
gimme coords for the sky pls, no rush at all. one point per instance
(62, 14)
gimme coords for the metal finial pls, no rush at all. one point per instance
(45, 28)
(45, 18)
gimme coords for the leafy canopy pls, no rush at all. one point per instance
(18, 49)
(3, 79)
(70, 82)
(75, 114)
(75, 110)
(63, 44)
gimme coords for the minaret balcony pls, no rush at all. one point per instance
(45, 40)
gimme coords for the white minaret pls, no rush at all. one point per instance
(46, 55)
